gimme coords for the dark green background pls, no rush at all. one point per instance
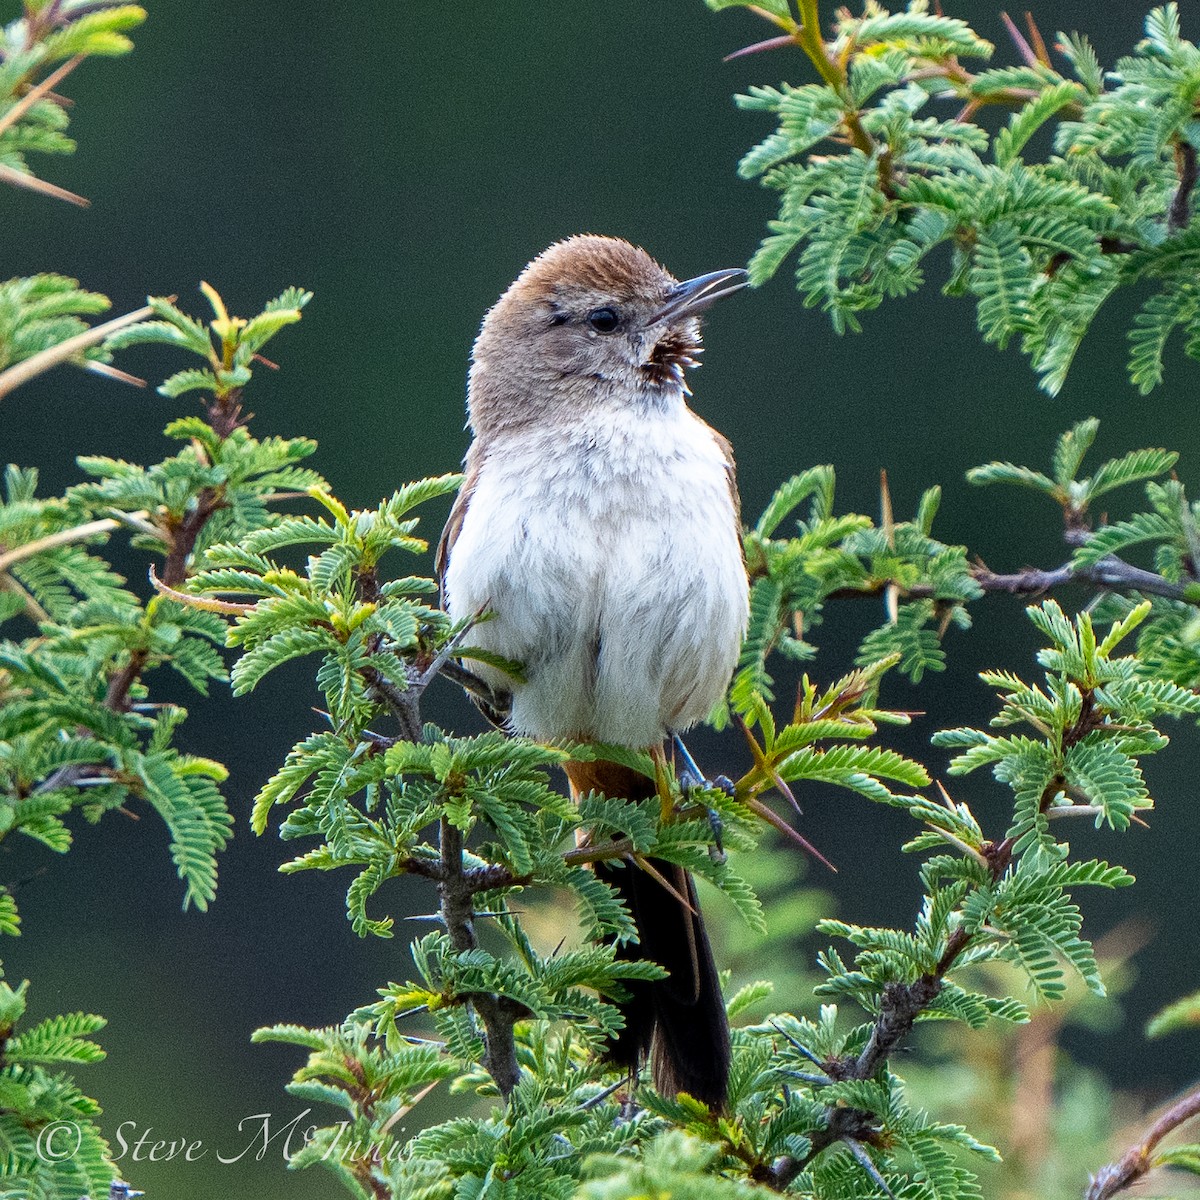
(404, 161)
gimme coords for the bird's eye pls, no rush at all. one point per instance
(603, 320)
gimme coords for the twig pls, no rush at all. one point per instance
(1110, 572)
(191, 600)
(808, 38)
(63, 537)
(33, 609)
(1137, 1161)
(1074, 810)
(181, 542)
(80, 533)
(899, 1008)
(900, 1004)
(38, 92)
(402, 705)
(498, 1013)
(31, 183)
(593, 854)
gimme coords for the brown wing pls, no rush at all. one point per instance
(493, 704)
(731, 474)
(454, 522)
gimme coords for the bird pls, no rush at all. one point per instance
(598, 524)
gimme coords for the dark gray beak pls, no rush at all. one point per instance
(695, 295)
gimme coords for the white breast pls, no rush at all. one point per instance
(611, 559)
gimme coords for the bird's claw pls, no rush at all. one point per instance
(716, 851)
(692, 779)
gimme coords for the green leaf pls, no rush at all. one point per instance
(58, 1039)
(1078, 50)
(1004, 472)
(1133, 467)
(1160, 315)
(96, 33)
(194, 379)
(919, 647)
(1186, 1158)
(1180, 1014)
(1115, 539)
(817, 482)
(1001, 279)
(1024, 124)
(1070, 450)
(779, 8)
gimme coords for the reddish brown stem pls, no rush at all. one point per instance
(1180, 213)
(182, 542)
(1138, 1160)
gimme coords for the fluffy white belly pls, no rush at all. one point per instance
(614, 570)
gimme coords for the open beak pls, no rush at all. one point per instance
(695, 295)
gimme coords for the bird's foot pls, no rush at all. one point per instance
(692, 779)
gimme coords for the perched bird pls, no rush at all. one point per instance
(598, 523)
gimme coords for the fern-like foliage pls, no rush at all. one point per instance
(53, 1144)
(40, 311)
(870, 183)
(33, 117)
(77, 727)
(926, 583)
(1092, 720)
(815, 1106)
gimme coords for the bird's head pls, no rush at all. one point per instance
(590, 320)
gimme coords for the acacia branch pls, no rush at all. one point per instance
(1110, 573)
(808, 37)
(1137, 1161)
(181, 542)
(397, 701)
(498, 1013)
(223, 414)
(900, 1004)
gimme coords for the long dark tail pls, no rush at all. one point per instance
(679, 1023)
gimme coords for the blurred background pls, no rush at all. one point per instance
(404, 161)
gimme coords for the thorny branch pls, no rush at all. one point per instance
(1138, 1160)
(831, 63)
(180, 536)
(1110, 573)
(457, 884)
(498, 1013)
(30, 368)
(902, 1003)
